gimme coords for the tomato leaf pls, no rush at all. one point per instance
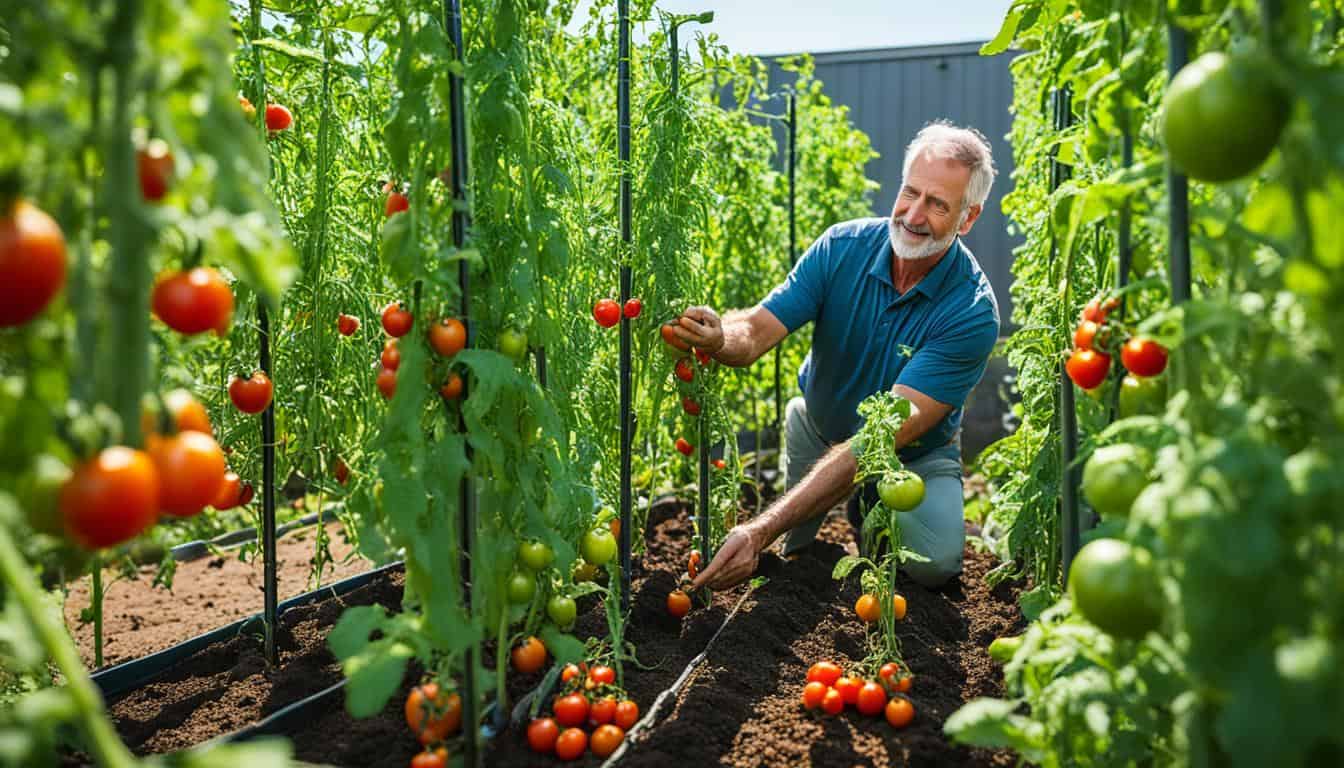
(993, 723)
(374, 675)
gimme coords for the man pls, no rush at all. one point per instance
(898, 303)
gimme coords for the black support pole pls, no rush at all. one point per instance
(1177, 185)
(466, 493)
(268, 490)
(1069, 525)
(627, 418)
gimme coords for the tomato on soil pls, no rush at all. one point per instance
(684, 370)
(901, 491)
(571, 710)
(813, 693)
(110, 499)
(670, 337)
(1222, 116)
(684, 447)
(1142, 356)
(396, 319)
(448, 337)
(194, 301)
(872, 699)
(251, 395)
(278, 118)
(431, 714)
(602, 711)
(191, 467)
(32, 263)
(598, 546)
(633, 307)
(1088, 368)
(391, 355)
(606, 739)
(154, 166)
(832, 703)
(396, 203)
(678, 603)
(824, 672)
(347, 324)
(627, 714)
(427, 759)
(227, 496)
(452, 387)
(571, 744)
(541, 735)
(607, 312)
(1114, 586)
(849, 688)
(387, 383)
(529, 655)
(900, 712)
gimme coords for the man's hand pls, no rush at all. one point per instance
(735, 561)
(701, 328)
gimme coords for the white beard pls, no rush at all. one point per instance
(907, 251)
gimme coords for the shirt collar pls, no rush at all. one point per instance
(932, 284)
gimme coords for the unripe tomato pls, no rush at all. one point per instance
(1142, 395)
(191, 467)
(529, 655)
(571, 744)
(633, 307)
(542, 734)
(194, 301)
(535, 555)
(251, 395)
(396, 203)
(901, 491)
(1114, 585)
(32, 263)
(347, 325)
(684, 370)
(571, 710)
(684, 447)
(607, 312)
(391, 356)
(521, 588)
(432, 715)
(1222, 116)
(627, 714)
(678, 603)
(871, 699)
(452, 387)
(1088, 368)
(448, 337)
(606, 739)
(513, 344)
(110, 499)
(154, 165)
(832, 703)
(562, 610)
(900, 712)
(387, 383)
(396, 320)
(278, 118)
(599, 546)
(1142, 356)
(227, 496)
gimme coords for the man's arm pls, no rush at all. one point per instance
(828, 483)
(739, 339)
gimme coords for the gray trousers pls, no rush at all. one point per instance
(934, 529)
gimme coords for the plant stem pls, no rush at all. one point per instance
(97, 605)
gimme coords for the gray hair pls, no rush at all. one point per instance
(967, 146)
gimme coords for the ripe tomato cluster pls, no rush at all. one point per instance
(830, 690)
(870, 610)
(1093, 346)
(607, 312)
(446, 337)
(432, 715)
(589, 699)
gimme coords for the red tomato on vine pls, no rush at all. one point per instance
(683, 369)
(607, 312)
(253, 394)
(684, 446)
(110, 499)
(1142, 356)
(1088, 368)
(396, 320)
(391, 356)
(154, 166)
(32, 263)
(387, 383)
(193, 301)
(633, 307)
(191, 467)
(396, 203)
(448, 336)
(690, 406)
(347, 325)
(278, 118)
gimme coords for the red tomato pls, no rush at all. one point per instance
(436, 759)
(690, 406)
(824, 672)
(871, 699)
(387, 383)
(832, 703)
(154, 165)
(191, 467)
(1088, 368)
(569, 673)
(571, 744)
(448, 337)
(188, 413)
(602, 675)
(111, 498)
(529, 655)
(452, 387)
(278, 118)
(683, 369)
(602, 711)
(813, 693)
(678, 603)
(347, 324)
(32, 263)
(1093, 312)
(251, 395)
(627, 714)
(396, 319)
(396, 203)
(693, 564)
(702, 356)
(1142, 356)
(1084, 335)
(432, 715)
(194, 301)
(571, 710)
(670, 337)
(391, 356)
(245, 494)
(849, 688)
(684, 447)
(889, 672)
(720, 464)
(607, 312)
(606, 739)
(633, 307)
(341, 471)
(541, 735)
(900, 712)
(227, 495)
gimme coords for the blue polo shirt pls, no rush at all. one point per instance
(935, 338)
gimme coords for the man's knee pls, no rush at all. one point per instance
(939, 570)
(795, 415)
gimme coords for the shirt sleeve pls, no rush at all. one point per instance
(949, 367)
(799, 298)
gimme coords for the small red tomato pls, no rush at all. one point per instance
(832, 703)
(684, 447)
(607, 312)
(1088, 368)
(702, 356)
(245, 494)
(572, 710)
(824, 672)
(813, 693)
(529, 655)
(341, 471)
(849, 689)
(253, 394)
(154, 165)
(627, 714)
(347, 324)
(396, 203)
(900, 712)
(396, 319)
(387, 383)
(602, 711)
(452, 387)
(448, 337)
(541, 735)
(571, 744)
(1093, 312)
(720, 464)
(693, 563)
(633, 307)
(436, 759)
(670, 337)
(606, 739)
(678, 603)
(227, 495)
(278, 118)
(193, 301)
(683, 369)
(871, 699)
(602, 675)
(391, 356)
(1142, 356)
(569, 673)
(1085, 334)
(889, 672)
(690, 406)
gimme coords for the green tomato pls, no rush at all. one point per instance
(38, 491)
(1114, 477)
(599, 546)
(513, 344)
(522, 587)
(1114, 585)
(562, 610)
(535, 555)
(1222, 116)
(1142, 395)
(1003, 648)
(901, 491)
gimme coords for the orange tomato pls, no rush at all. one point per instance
(571, 744)
(813, 693)
(448, 336)
(606, 739)
(191, 467)
(678, 603)
(529, 655)
(627, 714)
(900, 712)
(230, 489)
(432, 715)
(111, 498)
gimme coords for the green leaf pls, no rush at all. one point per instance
(288, 49)
(374, 675)
(563, 647)
(992, 723)
(1007, 32)
(351, 633)
(847, 564)
(262, 753)
(400, 252)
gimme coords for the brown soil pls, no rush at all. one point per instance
(227, 685)
(662, 642)
(140, 618)
(742, 706)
